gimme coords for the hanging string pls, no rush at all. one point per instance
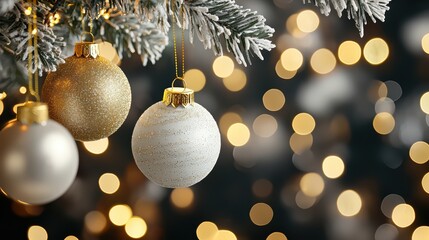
(90, 25)
(182, 12)
(33, 77)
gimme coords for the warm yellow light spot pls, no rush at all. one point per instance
(261, 214)
(421, 233)
(291, 59)
(376, 51)
(37, 233)
(97, 146)
(223, 66)
(95, 222)
(425, 183)
(425, 43)
(303, 201)
(283, 73)
(419, 152)
(265, 125)
(274, 100)
(238, 134)
(323, 61)
(136, 227)
(23, 90)
(277, 236)
(1, 107)
(424, 103)
(382, 90)
(182, 197)
(333, 167)
(349, 203)
(206, 231)
(312, 184)
(28, 11)
(383, 123)
(195, 79)
(303, 124)
(292, 26)
(262, 188)
(108, 51)
(300, 143)
(120, 214)
(3, 95)
(307, 21)
(225, 235)
(71, 238)
(106, 15)
(109, 183)
(349, 52)
(403, 215)
(236, 81)
(227, 120)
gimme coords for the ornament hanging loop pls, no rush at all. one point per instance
(181, 79)
(85, 33)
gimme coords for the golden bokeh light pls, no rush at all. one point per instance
(383, 123)
(120, 214)
(333, 167)
(109, 52)
(273, 100)
(238, 134)
(421, 233)
(323, 61)
(349, 52)
(376, 51)
(424, 102)
(224, 235)
(109, 183)
(37, 233)
(276, 236)
(307, 21)
(425, 43)
(303, 124)
(136, 227)
(182, 197)
(312, 184)
(291, 23)
(1, 107)
(236, 81)
(95, 222)
(425, 183)
(227, 120)
(262, 188)
(195, 79)
(265, 125)
(23, 90)
(349, 203)
(300, 143)
(403, 215)
(419, 152)
(206, 231)
(71, 238)
(223, 66)
(97, 146)
(291, 59)
(261, 214)
(3, 95)
(303, 201)
(283, 73)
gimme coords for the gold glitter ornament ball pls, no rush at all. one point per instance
(88, 94)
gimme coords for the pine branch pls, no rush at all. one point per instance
(356, 10)
(7, 5)
(243, 31)
(129, 34)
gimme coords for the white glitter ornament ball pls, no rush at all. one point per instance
(176, 146)
(38, 157)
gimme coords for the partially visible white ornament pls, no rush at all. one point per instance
(38, 156)
(176, 142)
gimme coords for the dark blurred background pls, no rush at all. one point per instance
(357, 103)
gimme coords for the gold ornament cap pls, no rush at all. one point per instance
(86, 50)
(33, 112)
(178, 96)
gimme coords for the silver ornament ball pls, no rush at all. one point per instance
(176, 147)
(38, 161)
